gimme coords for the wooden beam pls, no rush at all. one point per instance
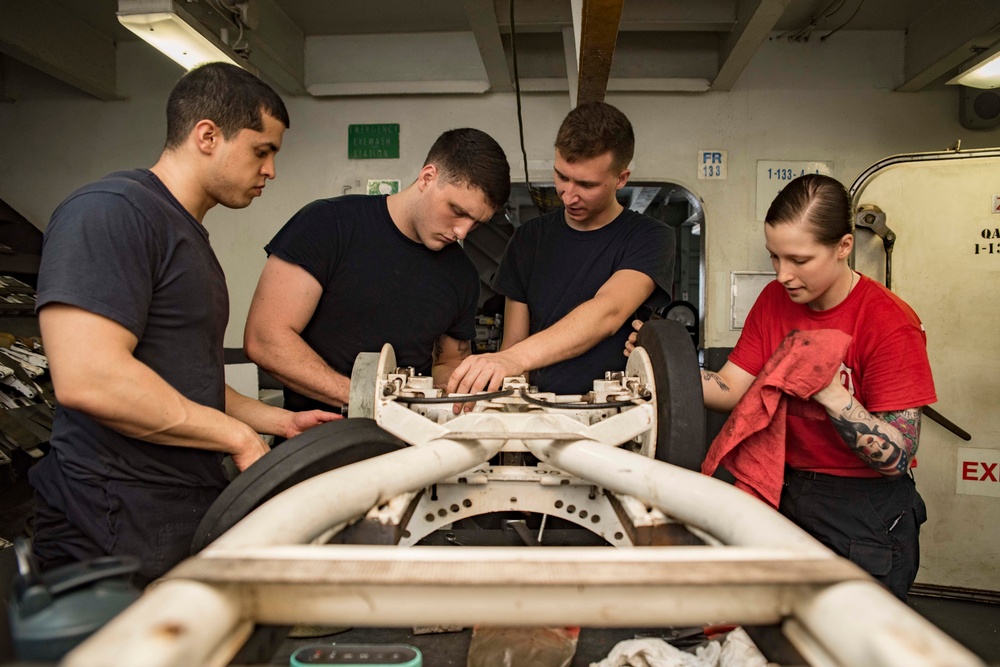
(754, 21)
(45, 36)
(945, 36)
(483, 21)
(598, 35)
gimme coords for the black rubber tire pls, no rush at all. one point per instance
(318, 450)
(680, 409)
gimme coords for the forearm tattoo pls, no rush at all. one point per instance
(709, 376)
(463, 348)
(886, 441)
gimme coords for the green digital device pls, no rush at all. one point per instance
(358, 655)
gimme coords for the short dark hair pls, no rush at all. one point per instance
(593, 129)
(231, 97)
(820, 201)
(471, 157)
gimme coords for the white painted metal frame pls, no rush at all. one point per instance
(266, 570)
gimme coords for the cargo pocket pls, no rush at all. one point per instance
(873, 558)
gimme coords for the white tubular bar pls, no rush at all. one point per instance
(306, 510)
(720, 509)
(179, 623)
(384, 585)
(861, 623)
(493, 605)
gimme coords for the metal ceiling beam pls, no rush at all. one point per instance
(637, 15)
(678, 15)
(279, 48)
(483, 21)
(45, 36)
(276, 44)
(571, 54)
(945, 36)
(598, 35)
(755, 19)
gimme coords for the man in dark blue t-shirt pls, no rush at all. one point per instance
(349, 274)
(573, 277)
(133, 307)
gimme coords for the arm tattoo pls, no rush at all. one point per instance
(885, 441)
(463, 348)
(709, 376)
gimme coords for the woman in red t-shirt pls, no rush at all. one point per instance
(848, 479)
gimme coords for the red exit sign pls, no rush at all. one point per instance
(978, 472)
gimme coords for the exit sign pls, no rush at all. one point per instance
(373, 142)
(978, 472)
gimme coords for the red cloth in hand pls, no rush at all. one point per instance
(751, 444)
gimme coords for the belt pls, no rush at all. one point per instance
(841, 479)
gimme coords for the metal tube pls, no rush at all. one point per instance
(718, 508)
(487, 604)
(382, 585)
(861, 623)
(176, 624)
(306, 510)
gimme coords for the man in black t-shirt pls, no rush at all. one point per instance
(349, 274)
(132, 305)
(573, 277)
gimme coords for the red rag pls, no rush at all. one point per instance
(751, 444)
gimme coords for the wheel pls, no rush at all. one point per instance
(683, 312)
(686, 313)
(680, 408)
(318, 450)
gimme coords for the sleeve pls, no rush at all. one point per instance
(514, 272)
(101, 254)
(311, 239)
(897, 373)
(651, 250)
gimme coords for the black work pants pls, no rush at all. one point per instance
(873, 522)
(153, 523)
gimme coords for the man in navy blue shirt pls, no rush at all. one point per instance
(572, 278)
(133, 307)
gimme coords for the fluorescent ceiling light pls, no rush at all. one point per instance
(983, 72)
(175, 33)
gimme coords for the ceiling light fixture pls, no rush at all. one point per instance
(983, 71)
(175, 33)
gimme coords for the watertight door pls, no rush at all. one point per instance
(945, 212)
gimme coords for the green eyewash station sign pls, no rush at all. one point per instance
(373, 142)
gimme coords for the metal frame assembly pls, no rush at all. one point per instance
(689, 549)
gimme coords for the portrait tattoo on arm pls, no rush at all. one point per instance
(885, 441)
